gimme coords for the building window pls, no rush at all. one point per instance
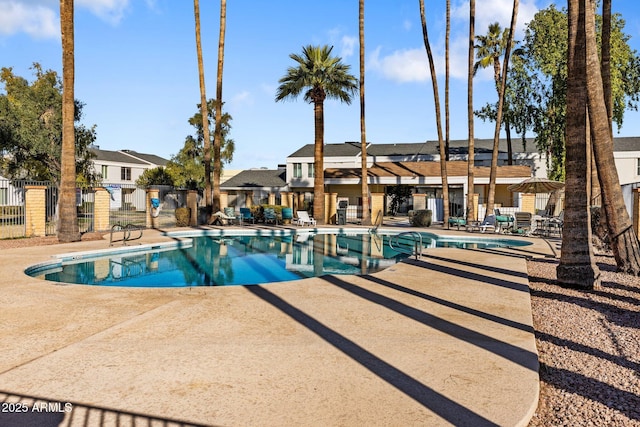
(637, 166)
(125, 174)
(311, 170)
(103, 172)
(297, 170)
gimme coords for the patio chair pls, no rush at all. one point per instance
(287, 215)
(458, 220)
(304, 218)
(554, 225)
(270, 216)
(489, 222)
(522, 223)
(503, 221)
(247, 216)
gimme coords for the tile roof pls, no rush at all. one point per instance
(128, 156)
(427, 169)
(256, 178)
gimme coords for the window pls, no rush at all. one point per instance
(297, 170)
(311, 170)
(125, 174)
(103, 172)
(637, 166)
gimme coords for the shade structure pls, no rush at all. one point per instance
(536, 185)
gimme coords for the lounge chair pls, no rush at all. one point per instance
(270, 216)
(522, 223)
(220, 218)
(304, 218)
(488, 223)
(246, 216)
(287, 215)
(504, 221)
(458, 220)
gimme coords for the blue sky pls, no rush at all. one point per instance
(136, 67)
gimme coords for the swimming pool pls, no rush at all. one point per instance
(219, 258)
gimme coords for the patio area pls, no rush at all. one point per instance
(444, 340)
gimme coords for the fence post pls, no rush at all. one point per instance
(34, 210)
(101, 205)
(152, 193)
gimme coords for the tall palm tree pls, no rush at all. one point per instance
(446, 83)
(68, 217)
(217, 135)
(623, 240)
(577, 267)
(471, 155)
(366, 215)
(436, 100)
(320, 76)
(204, 113)
(502, 86)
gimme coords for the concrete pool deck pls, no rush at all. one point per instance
(444, 340)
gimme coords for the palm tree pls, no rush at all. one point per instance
(204, 113)
(471, 155)
(68, 218)
(501, 86)
(436, 100)
(320, 76)
(217, 135)
(446, 83)
(366, 216)
(623, 240)
(577, 267)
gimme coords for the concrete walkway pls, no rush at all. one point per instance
(445, 340)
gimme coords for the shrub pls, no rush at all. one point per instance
(182, 217)
(421, 218)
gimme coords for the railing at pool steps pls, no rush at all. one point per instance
(126, 233)
(394, 243)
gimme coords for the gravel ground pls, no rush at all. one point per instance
(588, 342)
(589, 348)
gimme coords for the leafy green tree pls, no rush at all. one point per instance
(187, 167)
(536, 96)
(31, 129)
(319, 75)
(155, 176)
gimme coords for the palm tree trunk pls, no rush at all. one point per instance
(318, 156)
(366, 215)
(577, 268)
(217, 136)
(471, 156)
(623, 239)
(68, 216)
(436, 100)
(502, 86)
(446, 87)
(204, 111)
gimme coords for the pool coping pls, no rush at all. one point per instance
(55, 334)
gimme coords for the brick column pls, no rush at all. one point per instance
(101, 205)
(272, 199)
(330, 208)
(192, 203)
(377, 205)
(151, 221)
(419, 202)
(224, 200)
(528, 203)
(35, 209)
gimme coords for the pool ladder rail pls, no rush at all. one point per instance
(126, 233)
(416, 250)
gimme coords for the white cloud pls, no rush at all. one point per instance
(240, 99)
(40, 18)
(348, 45)
(490, 11)
(37, 20)
(402, 66)
(110, 11)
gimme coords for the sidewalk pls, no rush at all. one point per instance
(445, 340)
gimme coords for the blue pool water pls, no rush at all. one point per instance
(222, 260)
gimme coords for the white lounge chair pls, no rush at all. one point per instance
(304, 218)
(218, 218)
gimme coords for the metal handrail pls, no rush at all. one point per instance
(126, 233)
(417, 243)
